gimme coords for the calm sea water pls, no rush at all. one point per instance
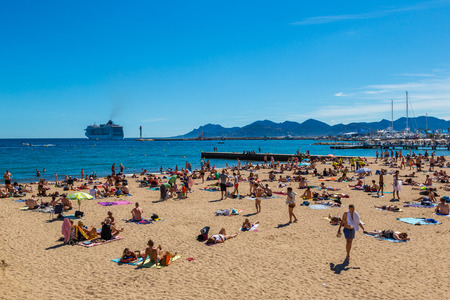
(68, 156)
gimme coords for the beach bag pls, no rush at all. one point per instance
(366, 188)
(79, 214)
(166, 260)
(234, 211)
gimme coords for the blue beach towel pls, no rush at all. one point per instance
(418, 221)
(319, 206)
(437, 214)
(134, 263)
(385, 239)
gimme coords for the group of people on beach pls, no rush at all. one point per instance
(232, 177)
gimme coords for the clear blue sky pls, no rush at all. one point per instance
(172, 66)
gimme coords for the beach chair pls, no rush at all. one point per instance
(57, 210)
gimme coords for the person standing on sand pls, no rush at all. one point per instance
(82, 174)
(56, 179)
(351, 222)
(7, 176)
(397, 185)
(381, 184)
(290, 201)
(113, 169)
(258, 194)
(223, 178)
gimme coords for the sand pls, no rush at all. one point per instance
(299, 261)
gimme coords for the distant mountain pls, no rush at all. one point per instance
(312, 127)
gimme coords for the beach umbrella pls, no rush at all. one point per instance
(331, 155)
(305, 159)
(79, 196)
(302, 164)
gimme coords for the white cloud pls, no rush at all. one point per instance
(153, 120)
(369, 15)
(341, 94)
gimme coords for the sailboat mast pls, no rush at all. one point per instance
(392, 114)
(407, 128)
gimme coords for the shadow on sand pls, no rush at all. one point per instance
(283, 225)
(337, 269)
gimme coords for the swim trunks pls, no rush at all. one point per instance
(349, 233)
(223, 187)
(7, 182)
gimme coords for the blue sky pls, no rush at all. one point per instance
(172, 66)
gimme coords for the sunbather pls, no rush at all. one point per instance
(443, 207)
(334, 220)
(137, 212)
(247, 225)
(91, 233)
(221, 237)
(32, 203)
(109, 231)
(389, 234)
(388, 207)
(128, 256)
(156, 255)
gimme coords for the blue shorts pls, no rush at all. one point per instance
(349, 233)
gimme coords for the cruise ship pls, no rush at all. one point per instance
(108, 131)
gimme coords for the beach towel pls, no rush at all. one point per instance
(20, 200)
(93, 243)
(319, 206)
(122, 202)
(72, 217)
(134, 263)
(353, 222)
(417, 221)
(400, 210)
(254, 198)
(228, 212)
(251, 229)
(438, 214)
(142, 222)
(380, 238)
(153, 189)
(149, 264)
(211, 189)
(416, 204)
(66, 229)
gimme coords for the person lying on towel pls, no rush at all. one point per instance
(389, 234)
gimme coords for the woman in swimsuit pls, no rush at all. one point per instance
(389, 234)
(221, 237)
(247, 225)
(128, 256)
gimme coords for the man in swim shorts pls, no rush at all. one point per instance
(7, 176)
(223, 184)
(443, 207)
(351, 222)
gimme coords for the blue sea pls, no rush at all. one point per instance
(69, 156)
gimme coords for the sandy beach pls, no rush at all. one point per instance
(303, 260)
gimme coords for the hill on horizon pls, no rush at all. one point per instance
(312, 127)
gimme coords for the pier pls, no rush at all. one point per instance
(259, 156)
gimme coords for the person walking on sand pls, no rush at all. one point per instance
(290, 201)
(351, 222)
